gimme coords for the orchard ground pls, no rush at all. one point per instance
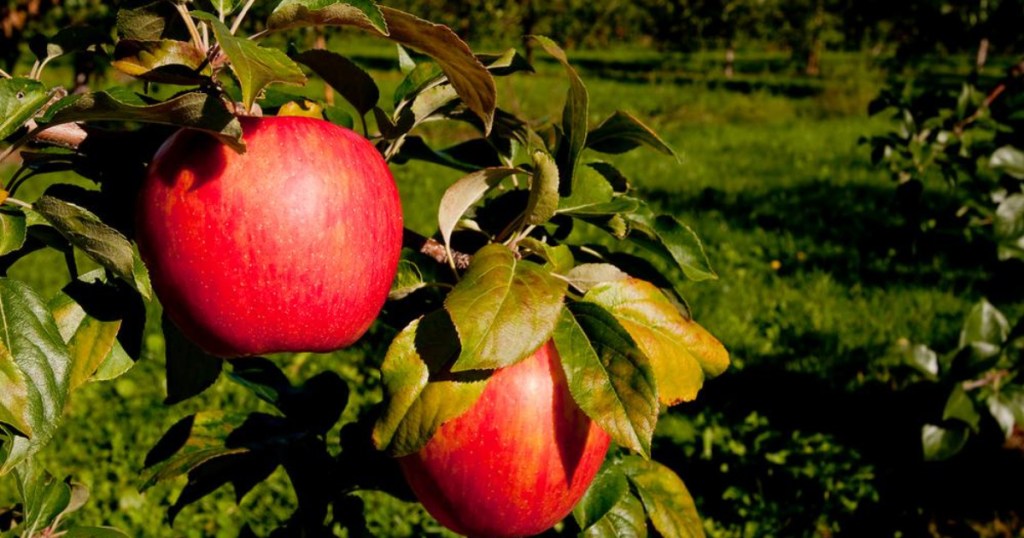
(814, 429)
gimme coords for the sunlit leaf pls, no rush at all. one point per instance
(924, 360)
(503, 309)
(585, 276)
(12, 230)
(1008, 227)
(20, 100)
(669, 504)
(44, 496)
(90, 341)
(1008, 160)
(295, 13)
(623, 132)
(941, 443)
(407, 280)
(1007, 408)
(465, 192)
(418, 405)
(543, 189)
(609, 377)
(35, 369)
(255, 67)
(984, 324)
(87, 232)
(959, 406)
(574, 117)
(164, 60)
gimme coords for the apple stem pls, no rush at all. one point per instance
(17, 202)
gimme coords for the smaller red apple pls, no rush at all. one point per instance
(517, 462)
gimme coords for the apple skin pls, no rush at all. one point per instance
(290, 246)
(517, 462)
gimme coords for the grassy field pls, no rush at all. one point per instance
(810, 432)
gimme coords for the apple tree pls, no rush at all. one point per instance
(534, 338)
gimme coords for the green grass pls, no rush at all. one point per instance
(816, 287)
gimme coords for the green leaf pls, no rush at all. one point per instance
(408, 279)
(420, 393)
(985, 324)
(417, 79)
(20, 100)
(543, 199)
(34, 369)
(585, 276)
(255, 67)
(559, 259)
(503, 309)
(959, 406)
(193, 110)
(609, 377)
(607, 489)
(593, 196)
(296, 13)
(625, 520)
(192, 441)
(67, 40)
(664, 235)
(1008, 160)
(941, 443)
(190, 370)
(623, 132)
(471, 80)
(223, 7)
(12, 230)
(574, 117)
(90, 341)
(347, 78)
(86, 231)
(669, 504)
(681, 352)
(1007, 408)
(163, 60)
(157, 20)
(1008, 227)
(465, 192)
(923, 359)
(44, 497)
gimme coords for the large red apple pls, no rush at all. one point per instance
(290, 246)
(515, 463)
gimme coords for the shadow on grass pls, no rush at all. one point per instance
(861, 235)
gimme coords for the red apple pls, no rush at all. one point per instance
(290, 246)
(515, 463)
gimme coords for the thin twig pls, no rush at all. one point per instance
(1015, 72)
(190, 24)
(434, 249)
(241, 15)
(4, 74)
(17, 202)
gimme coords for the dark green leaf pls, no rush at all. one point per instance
(158, 20)
(67, 40)
(255, 67)
(574, 117)
(420, 393)
(681, 352)
(959, 406)
(193, 110)
(44, 497)
(625, 520)
(941, 443)
(164, 60)
(347, 78)
(463, 194)
(188, 444)
(585, 276)
(1009, 227)
(295, 13)
(607, 489)
(34, 369)
(20, 100)
(471, 80)
(543, 189)
(86, 231)
(622, 132)
(12, 230)
(609, 377)
(190, 370)
(663, 234)
(669, 504)
(503, 309)
(1008, 160)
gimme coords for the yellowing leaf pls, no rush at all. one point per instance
(680, 350)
